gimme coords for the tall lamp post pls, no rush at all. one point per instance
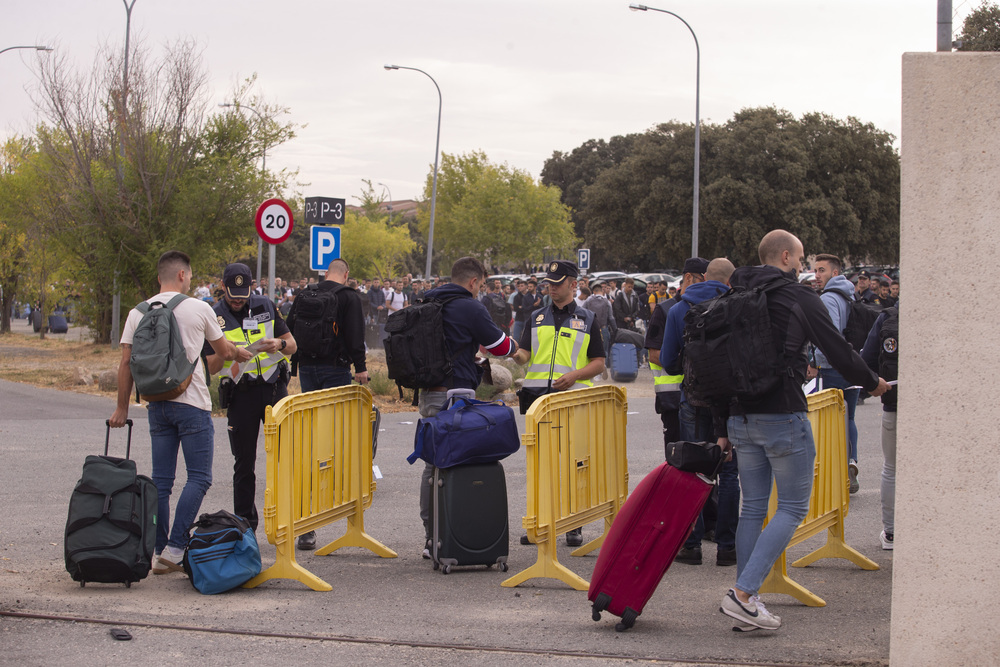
(389, 205)
(263, 168)
(434, 185)
(36, 48)
(697, 120)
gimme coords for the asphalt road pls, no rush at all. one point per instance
(396, 610)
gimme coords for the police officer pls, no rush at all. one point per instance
(249, 320)
(560, 336)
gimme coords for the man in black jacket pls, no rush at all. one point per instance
(771, 431)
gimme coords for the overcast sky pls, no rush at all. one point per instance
(520, 78)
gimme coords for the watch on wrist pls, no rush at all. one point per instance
(284, 344)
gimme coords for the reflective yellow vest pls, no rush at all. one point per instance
(663, 381)
(263, 365)
(557, 352)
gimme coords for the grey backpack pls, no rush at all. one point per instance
(159, 362)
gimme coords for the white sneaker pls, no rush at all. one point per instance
(886, 539)
(751, 613)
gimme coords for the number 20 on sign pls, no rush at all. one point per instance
(274, 221)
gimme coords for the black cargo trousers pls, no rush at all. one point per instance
(247, 404)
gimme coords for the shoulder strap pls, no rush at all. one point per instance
(175, 301)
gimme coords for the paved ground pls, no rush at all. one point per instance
(394, 610)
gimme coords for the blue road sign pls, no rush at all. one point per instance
(324, 246)
(583, 259)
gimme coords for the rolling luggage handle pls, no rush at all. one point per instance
(107, 437)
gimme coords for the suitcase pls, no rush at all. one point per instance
(644, 539)
(469, 517)
(57, 324)
(624, 364)
(111, 527)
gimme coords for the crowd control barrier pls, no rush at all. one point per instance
(577, 472)
(829, 503)
(319, 470)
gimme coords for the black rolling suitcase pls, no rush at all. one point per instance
(469, 519)
(58, 324)
(111, 528)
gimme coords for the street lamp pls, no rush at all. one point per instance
(697, 120)
(389, 205)
(434, 186)
(37, 48)
(263, 168)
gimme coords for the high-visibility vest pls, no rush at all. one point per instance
(555, 352)
(663, 381)
(265, 364)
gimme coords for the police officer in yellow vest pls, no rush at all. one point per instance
(246, 388)
(567, 350)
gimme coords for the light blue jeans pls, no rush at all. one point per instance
(174, 426)
(776, 447)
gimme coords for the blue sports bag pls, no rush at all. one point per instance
(222, 553)
(468, 431)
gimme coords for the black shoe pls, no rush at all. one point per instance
(524, 540)
(306, 541)
(690, 556)
(709, 535)
(574, 538)
(725, 556)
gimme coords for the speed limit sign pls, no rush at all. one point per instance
(274, 221)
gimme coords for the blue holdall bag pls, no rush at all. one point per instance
(468, 431)
(222, 553)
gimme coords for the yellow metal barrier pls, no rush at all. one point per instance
(577, 472)
(829, 503)
(319, 470)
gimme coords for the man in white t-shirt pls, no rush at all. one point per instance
(394, 298)
(184, 422)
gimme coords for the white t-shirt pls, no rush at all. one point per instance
(198, 323)
(394, 300)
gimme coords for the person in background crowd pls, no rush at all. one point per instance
(626, 306)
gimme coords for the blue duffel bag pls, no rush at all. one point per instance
(222, 553)
(468, 431)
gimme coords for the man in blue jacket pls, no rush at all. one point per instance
(696, 418)
(467, 326)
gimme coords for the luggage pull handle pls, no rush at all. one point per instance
(107, 437)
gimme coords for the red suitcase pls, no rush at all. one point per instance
(644, 539)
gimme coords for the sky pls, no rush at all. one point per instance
(520, 79)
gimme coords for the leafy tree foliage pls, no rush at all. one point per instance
(373, 247)
(495, 213)
(981, 29)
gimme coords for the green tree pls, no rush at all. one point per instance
(127, 177)
(374, 248)
(495, 213)
(981, 29)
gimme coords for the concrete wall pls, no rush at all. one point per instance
(946, 569)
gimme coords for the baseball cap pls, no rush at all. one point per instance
(559, 271)
(237, 280)
(695, 265)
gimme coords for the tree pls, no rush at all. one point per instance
(374, 248)
(495, 213)
(981, 29)
(129, 176)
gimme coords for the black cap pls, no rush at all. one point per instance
(560, 270)
(695, 265)
(237, 280)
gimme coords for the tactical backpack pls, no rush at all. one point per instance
(313, 321)
(416, 353)
(159, 363)
(728, 346)
(860, 321)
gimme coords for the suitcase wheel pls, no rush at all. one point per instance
(628, 620)
(446, 569)
(503, 567)
(436, 565)
(128, 584)
(82, 584)
(601, 603)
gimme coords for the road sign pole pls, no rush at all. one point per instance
(270, 271)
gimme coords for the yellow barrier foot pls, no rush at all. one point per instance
(589, 546)
(835, 548)
(778, 581)
(286, 568)
(548, 567)
(358, 539)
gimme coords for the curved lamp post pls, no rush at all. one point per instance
(36, 48)
(389, 205)
(697, 120)
(434, 186)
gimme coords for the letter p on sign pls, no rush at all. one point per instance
(324, 246)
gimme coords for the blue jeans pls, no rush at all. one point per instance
(778, 448)
(834, 380)
(696, 426)
(323, 376)
(173, 425)
(516, 330)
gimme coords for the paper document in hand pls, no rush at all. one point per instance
(235, 372)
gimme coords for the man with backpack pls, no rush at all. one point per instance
(769, 423)
(248, 319)
(168, 331)
(329, 329)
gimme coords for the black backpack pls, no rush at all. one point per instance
(313, 322)
(416, 353)
(499, 311)
(860, 322)
(728, 346)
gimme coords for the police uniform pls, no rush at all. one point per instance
(264, 382)
(667, 386)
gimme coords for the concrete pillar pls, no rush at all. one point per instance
(946, 563)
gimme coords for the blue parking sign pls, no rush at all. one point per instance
(324, 246)
(583, 259)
